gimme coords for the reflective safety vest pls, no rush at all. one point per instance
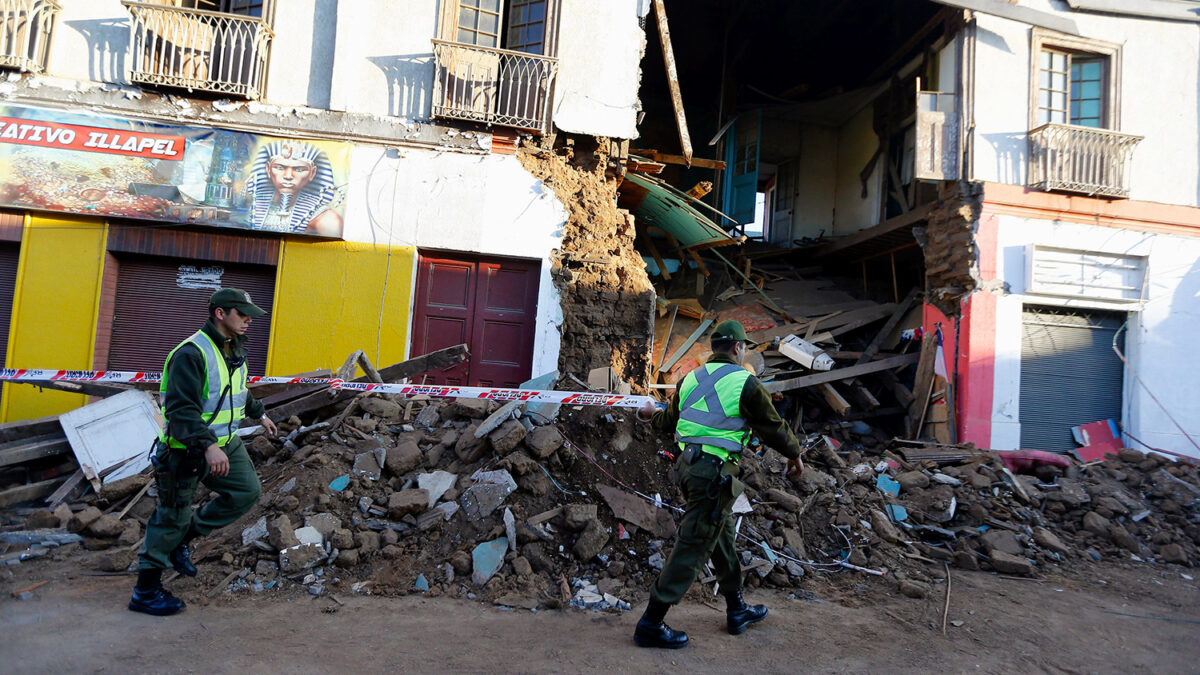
(224, 422)
(710, 410)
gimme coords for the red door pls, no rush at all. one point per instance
(490, 304)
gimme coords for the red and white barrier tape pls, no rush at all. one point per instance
(435, 391)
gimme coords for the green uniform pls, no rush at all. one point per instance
(721, 406)
(193, 381)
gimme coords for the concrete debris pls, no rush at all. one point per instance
(43, 537)
(300, 557)
(407, 502)
(485, 496)
(255, 532)
(487, 559)
(310, 535)
(436, 484)
(369, 465)
(325, 523)
(427, 418)
(447, 506)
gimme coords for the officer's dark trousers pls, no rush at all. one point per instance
(172, 524)
(699, 538)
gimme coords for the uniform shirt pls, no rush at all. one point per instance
(756, 408)
(186, 375)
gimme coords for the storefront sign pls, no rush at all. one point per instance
(107, 166)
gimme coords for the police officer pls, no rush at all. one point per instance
(713, 412)
(204, 400)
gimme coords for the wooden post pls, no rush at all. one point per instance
(664, 36)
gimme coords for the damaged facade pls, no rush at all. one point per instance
(1027, 165)
(448, 232)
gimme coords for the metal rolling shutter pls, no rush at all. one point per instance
(1069, 374)
(153, 312)
(10, 253)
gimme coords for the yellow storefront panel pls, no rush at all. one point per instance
(333, 298)
(54, 309)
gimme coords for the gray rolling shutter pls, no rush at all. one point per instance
(1069, 374)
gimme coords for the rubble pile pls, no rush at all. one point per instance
(470, 498)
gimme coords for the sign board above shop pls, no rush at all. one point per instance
(76, 162)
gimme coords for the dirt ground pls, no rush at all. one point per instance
(1070, 622)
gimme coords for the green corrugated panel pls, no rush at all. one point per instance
(669, 209)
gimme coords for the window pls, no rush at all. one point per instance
(254, 8)
(520, 25)
(1075, 81)
(1071, 89)
(527, 26)
(479, 22)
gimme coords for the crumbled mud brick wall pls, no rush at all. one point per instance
(948, 241)
(607, 299)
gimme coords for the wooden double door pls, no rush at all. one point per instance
(488, 303)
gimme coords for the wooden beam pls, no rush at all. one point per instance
(442, 358)
(35, 448)
(65, 489)
(664, 37)
(877, 314)
(15, 431)
(700, 189)
(648, 241)
(888, 327)
(88, 388)
(923, 384)
(841, 373)
(24, 493)
(680, 159)
(642, 165)
(890, 225)
(835, 400)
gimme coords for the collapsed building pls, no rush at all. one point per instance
(945, 199)
(1018, 163)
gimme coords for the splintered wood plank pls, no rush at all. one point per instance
(841, 373)
(923, 384)
(835, 400)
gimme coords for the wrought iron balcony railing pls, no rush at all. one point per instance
(493, 86)
(25, 29)
(197, 49)
(1069, 158)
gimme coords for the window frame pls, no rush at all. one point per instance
(448, 26)
(1042, 39)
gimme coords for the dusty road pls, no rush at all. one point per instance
(1055, 624)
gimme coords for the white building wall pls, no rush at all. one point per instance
(376, 57)
(486, 204)
(383, 63)
(817, 183)
(857, 143)
(1159, 99)
(1159, 342)
(600, 52)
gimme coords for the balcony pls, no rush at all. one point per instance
(25, 28)
(198, 50)
(1068, 158)
(492, 86)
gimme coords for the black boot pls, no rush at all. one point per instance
(149, 597)
(181, 560)
(739, 615)
(652, 632)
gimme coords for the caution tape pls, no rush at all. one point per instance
(436, 391)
